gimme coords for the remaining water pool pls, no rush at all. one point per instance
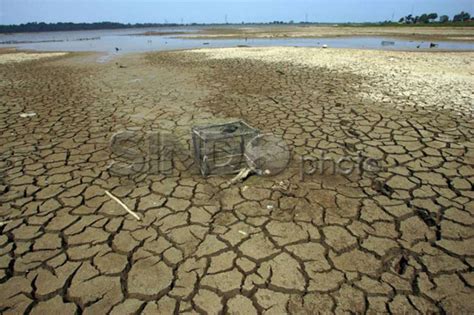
(129, 40)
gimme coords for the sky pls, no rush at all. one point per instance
(218, 11)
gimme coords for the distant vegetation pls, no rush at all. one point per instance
(432, 19)
(50, 27)
(428, 18)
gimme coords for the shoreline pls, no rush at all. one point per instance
(405, 32)
(403, 37)
(13, 49)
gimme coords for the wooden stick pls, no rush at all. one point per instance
(243, 174)
(123, 205)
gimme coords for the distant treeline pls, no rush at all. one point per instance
(427, 18)
(462, 19)
(68, 26)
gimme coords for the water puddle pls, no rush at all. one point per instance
(131, 40)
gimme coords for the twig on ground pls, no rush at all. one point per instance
(123, 205)
(243, 174)
(274, 100)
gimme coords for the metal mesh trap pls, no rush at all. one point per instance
(219, 149)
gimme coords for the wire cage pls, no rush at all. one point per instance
(220, 149)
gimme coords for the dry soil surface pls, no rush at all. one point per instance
(298, 31)
(398, 239)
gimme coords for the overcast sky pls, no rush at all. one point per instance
(139, 11)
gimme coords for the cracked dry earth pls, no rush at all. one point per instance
(399, 240)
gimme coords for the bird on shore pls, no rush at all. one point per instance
(117, 49)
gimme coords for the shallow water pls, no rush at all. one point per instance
(128, 40)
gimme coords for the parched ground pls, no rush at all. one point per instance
(399, 240)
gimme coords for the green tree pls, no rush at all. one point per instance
(432, 16)
(423, 18)
(461, 17)
(444, 19)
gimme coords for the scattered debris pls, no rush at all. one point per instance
(270, 207)
(205, 43)
(280, 72)
(387, 43)
(325, 46)
(282, 186)
(27, 115)
(243, 232)
(117, 49)
(433, 45)
(2, 223)
(123, 205)
(274, 100)
(243, 174)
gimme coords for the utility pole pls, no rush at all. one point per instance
(226, 22)
(306, 17)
